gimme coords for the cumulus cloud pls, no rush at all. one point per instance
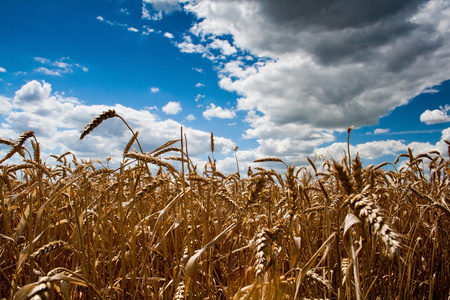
(224, 46)
(213, 111)
(5, 105)
(187, 46)
(317, 67)
(172, 108)
(372, 150)
(32, 92)
(190, 117)
(154, 89)
(57, 121)
(377, 149)
(2, 70)
(436, 116)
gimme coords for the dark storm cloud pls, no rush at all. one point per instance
(421, 43)
(352, 30)
(357, 44)
(336, 14)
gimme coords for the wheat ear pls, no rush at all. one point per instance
(36, 290)
(263, 250)
(366, 209)
(179, 292)
(18, 145)
(270, 159)
(97, 121)
(49, 248)
(150, 159)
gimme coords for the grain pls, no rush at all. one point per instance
(129, 233)
(97, 121)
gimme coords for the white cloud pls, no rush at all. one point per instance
(224, 47)
(213, 111)
(168, 35)
(380, 131)
(188, 47)
(199, 85)
(85, 69)
(372, 150)
(207, 50)
(57, 121)
(147, 30)
(172, 108)
(199, 70)
(61, 64)
(42, 60)
(2, 70)
(47, 71)
(58, 67)
(377, 149)
(286, 149)
(32, 92)
(5, 105)
(145, 12)
(190, 117)
(124, 11)
(115, 23)
(198, 97)
(436, 116)
(154, 89)
(435, 13)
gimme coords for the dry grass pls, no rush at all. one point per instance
(340, 231)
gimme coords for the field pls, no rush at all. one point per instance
(331, 230)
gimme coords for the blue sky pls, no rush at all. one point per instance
(276, 78)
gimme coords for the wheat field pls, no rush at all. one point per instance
(159, 227)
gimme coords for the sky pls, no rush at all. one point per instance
(279, 78)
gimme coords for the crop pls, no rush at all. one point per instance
(157, 227)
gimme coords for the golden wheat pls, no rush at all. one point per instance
(72, 230)
(97, 121)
